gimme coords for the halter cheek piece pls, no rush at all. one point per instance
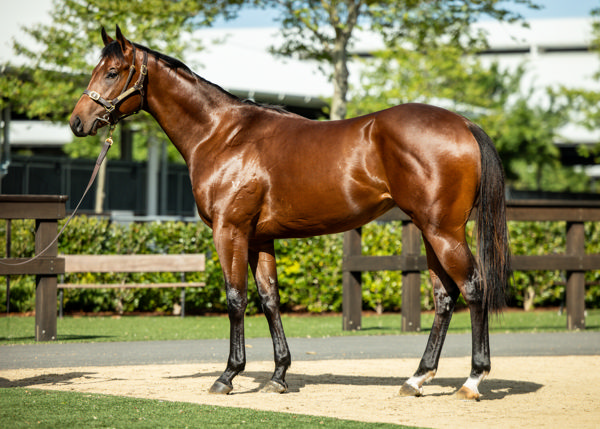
(112, 106)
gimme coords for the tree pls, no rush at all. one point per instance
(441, 74)
(57, 67)
(524, 136)
(325, 30)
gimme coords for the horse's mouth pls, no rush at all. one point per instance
(98, 123)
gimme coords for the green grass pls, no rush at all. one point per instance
(20, 330)
(23, 408)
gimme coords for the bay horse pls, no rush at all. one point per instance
(260, 173)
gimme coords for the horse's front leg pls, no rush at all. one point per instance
(263, 264)
(232, 247)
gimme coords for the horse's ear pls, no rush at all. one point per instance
(122, 40)
(105, 37)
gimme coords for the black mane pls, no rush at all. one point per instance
(114, 49)
(279, 109)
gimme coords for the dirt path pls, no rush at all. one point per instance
(544, 392)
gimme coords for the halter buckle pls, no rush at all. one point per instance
(94, 95)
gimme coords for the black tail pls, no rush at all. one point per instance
(492, 232)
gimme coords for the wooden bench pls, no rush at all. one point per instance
(185, 263)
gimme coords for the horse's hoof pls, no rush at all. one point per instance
(274, 387)
(219, 388)
(409, 390)
(466, 394)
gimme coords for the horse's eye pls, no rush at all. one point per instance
(112, 74)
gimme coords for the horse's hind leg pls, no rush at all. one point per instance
(445, 293)
(457, 261)
(263, 265)
(480, 357)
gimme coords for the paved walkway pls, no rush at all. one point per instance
(51, 355)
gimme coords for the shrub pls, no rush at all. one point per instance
(310, 270)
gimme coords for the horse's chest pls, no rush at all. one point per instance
(234, 199)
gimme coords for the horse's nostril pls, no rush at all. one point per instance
(77, 126)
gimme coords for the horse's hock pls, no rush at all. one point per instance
(575, 261)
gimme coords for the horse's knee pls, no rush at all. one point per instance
(444, 301)
(236, 303)
(270, 304)
(269, 297)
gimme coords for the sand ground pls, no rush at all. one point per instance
(533, 392)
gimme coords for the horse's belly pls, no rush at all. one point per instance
(324, 194)
(308, 220)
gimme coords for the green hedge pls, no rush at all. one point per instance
(310, 272)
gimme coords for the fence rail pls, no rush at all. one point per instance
(411, 262)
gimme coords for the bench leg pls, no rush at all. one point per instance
(182, 302)
(61, 294)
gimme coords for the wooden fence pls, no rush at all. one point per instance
(46, 210)
(411, 262)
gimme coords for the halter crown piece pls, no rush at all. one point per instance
(112, 106)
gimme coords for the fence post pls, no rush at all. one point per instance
(411, 280)
(352, 284)
(575, 279)
(45, 291)
(8, 252)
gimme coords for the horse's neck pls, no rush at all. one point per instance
(186, 107)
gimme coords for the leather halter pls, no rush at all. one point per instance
(112, 106)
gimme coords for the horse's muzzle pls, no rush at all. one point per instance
(77, 126)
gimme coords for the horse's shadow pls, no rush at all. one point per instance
(44, 379)
(491, 389)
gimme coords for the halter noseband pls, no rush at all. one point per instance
(112, 106)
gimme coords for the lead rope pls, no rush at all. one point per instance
(107, 144)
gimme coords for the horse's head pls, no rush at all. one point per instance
(110, 96)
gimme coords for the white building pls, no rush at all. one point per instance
(556, 52)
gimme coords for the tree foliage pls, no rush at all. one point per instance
(326, 30)
(47, 76)
(525, 137)
(454, 77)
(440, 74)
